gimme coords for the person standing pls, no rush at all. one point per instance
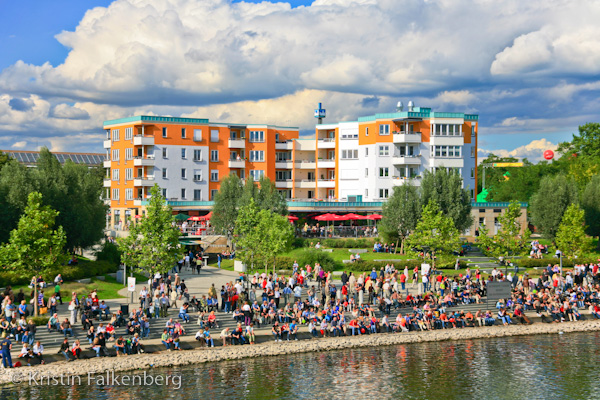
(6, 347)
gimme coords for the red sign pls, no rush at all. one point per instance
(548, 154)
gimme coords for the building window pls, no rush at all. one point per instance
(183, 153)
(213, 193)
(128, 194)
(183, 173)
(164, 152)
(183, 193)
(197, 175)
(366, 192)
(383, 193)
(257, 155)
(282, 176)
(446, 151)
(367, 131)
(384, 129)
(164, 131)
(214, 175)
(366, 152)
(197, 135)
(473, 130)
(384, 150)
(129, 154)
(473, 152)
(128, 133)
(115, 194)
(256, 174)
(164, 173)
(115, 155)
(183, 133)
(197, 194)
(349, 154)
(197, 155)
(164, 193)
(115, 135)
(128, 174)
(472, 193)
(257, 136)
(472, 172)
(115, 174)
(366, 172)
(214, 155)
(383, 172)
(243, 174)
(214, 136)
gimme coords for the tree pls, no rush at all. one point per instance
(508, 241)
(260, 235)
(591, 206)
(586, 144)
(435, 233)
(269, 198)
(445, 189)
(550, 202)
(153, 242)
(34, 246)
(571, 238)
(400, 214)
(225, 209)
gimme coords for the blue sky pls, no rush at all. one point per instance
(529, 69)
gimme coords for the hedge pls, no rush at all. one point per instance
(349, 243)
(84, 269)
(543, 262)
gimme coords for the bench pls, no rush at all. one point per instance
(327, 250)
(86, 280)
(359, 251)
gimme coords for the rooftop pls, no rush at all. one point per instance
(417, 113)
(31, 157)
(180, 120)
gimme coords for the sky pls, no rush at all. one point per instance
(530, 69)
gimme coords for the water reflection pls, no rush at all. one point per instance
(548, 367)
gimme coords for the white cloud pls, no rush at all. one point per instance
(458, 97)
(19, 145)
(534, 151)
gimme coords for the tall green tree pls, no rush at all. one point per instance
(590, 202)
(269, 198)
(435, 234)
(550, 202)
(571, 238)
(400, 214)
(586, 144)
(250, 191)
(445, 188)
(35, 246)
(509, 241)
(261, 235)
(225, 209)
(153, 242)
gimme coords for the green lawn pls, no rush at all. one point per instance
(343, 254)
(107, 289)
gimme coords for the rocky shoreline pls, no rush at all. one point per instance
(270, 348)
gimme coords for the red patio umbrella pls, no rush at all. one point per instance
(325, 217)
(206, 217)
(374, 217)
(138, 216)
(292, 218)
(352, 216)
(195, 219)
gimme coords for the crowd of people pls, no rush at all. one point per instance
(308, 300)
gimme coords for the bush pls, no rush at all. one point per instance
(313, 256)
(541, 263)
(359, 243)
(367, 265)
(110, 253)
(40, 320)
(300, 242)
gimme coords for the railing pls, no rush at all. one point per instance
(327, 140)
(147, 157)
(405, 133)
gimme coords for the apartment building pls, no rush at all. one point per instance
(186, 157)
(363, 160)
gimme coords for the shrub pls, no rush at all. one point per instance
(312, 256)
(40, 320)
(110, 253)
(566, 262)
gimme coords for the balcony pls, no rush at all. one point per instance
(411, 137)
(106, 182)
(406, 160)
(306, 184)
(306, 145)
(237, 164)
(287, 184)
(330, 163)
(107, 144)
(139, 140)
(284, 145)
(147, 161)
(446, 162)
(106, 163)
(237, 143)
(284, 164)
(326, 183)
(402, 180)
(144, 181)
(327, 143)
(106, 202)
(446, 141)
(306, 164)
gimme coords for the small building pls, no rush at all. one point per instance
(486, 214)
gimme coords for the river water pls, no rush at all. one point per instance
(532, 367)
